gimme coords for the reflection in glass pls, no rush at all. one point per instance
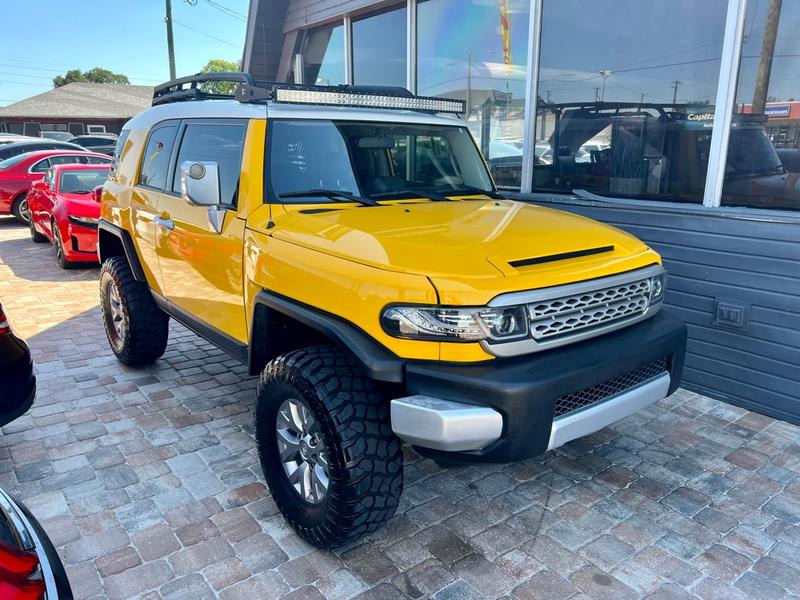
(763, 165)
(476, 50)
(626, 90)
(323, 56)
(379, 49)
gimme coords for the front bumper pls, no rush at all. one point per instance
(504, 410)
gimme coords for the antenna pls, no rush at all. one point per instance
(270, 223)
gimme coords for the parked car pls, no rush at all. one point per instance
(790, 157)
(61, 136)
(367, 268)
(18, 173)
(10, 138)
(16, 374)
(25, 145)
(98, 142)
(64, 211)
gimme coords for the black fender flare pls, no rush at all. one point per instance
(127, 246)
(378, 362)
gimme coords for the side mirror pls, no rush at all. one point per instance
(97, 193)
(200, 183)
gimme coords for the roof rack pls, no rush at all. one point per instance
(250, 90)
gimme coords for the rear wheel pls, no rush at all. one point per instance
(333, 465)
(37, 237)
(136, 328)
(20, 209)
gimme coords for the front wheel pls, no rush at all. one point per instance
(136, 328)
(331, 460)
(37, 237)
(59, 244)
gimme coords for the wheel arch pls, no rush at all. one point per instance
(280, 324)
(115, 241)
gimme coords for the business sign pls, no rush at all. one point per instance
(777, 110)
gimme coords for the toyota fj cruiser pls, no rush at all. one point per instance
(349, 245)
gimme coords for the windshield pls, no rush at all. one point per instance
(81, 182)
(750, 152)
(372, 159)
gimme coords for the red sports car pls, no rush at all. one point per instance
(18, 173)
(64, 210)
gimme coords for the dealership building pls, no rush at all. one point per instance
(678, 121)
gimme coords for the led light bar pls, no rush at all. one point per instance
(367, 100)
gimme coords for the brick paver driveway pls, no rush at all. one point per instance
(147, 481)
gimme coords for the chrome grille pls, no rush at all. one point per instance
(570, 314)
(602, 391)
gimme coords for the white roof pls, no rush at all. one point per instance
(209, 109)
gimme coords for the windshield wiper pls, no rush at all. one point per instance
(468, 189)
(335, 195)
(409, 195)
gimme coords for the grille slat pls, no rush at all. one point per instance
(602, 391)
(571, 314)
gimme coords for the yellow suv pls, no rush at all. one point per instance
(349, 245)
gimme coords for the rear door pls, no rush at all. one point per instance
(149, 188)
(202, 269)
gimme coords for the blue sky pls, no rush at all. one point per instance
(126, 36)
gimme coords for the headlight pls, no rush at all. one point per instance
(84, 220)
(658, 285)
(469, 324)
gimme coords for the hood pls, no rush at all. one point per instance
(81, 205)
(477, 242)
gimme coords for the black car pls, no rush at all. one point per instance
(98, 142)
(18, 384)
(21, 147)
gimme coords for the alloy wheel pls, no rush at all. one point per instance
(117, 314)
(302, 451)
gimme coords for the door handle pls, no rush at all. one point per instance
(165, 223)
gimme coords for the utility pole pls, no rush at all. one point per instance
(170, 41)
(596, 93)
(767, 52)
(605, 74)
(675, 85)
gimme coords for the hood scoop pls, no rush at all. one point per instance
(538, 260)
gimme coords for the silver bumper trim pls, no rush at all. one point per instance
(444, 425)
(583, 422)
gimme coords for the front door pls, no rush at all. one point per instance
(201, 268)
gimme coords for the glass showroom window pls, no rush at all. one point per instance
(626, 92)
(476, 50)
(323, 55)
(379, 48)
(763, 166)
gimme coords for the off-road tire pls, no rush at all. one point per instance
(16, 209)
(146, 325)
(58, 244)
(364, 456)
(36, 237)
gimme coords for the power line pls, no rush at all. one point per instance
(223, 9)
(208, 35)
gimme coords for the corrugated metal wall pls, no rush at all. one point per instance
(729, 256)
(264, 53)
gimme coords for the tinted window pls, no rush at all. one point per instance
(118, 150)
(215, 142)
(379, 49)
(11, 161)
(767, 117)
(41, 166)
(97, 160)
(483, 64)
(68, 159)
(155, 161)
(627, 91)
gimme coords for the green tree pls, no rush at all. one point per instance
(96, 75)
(219, 65)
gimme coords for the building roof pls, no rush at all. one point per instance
(84, 101)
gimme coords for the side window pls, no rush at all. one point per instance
(155, 162)
(67, 159)
(41, 166)
(217, 142)
(118, 151)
